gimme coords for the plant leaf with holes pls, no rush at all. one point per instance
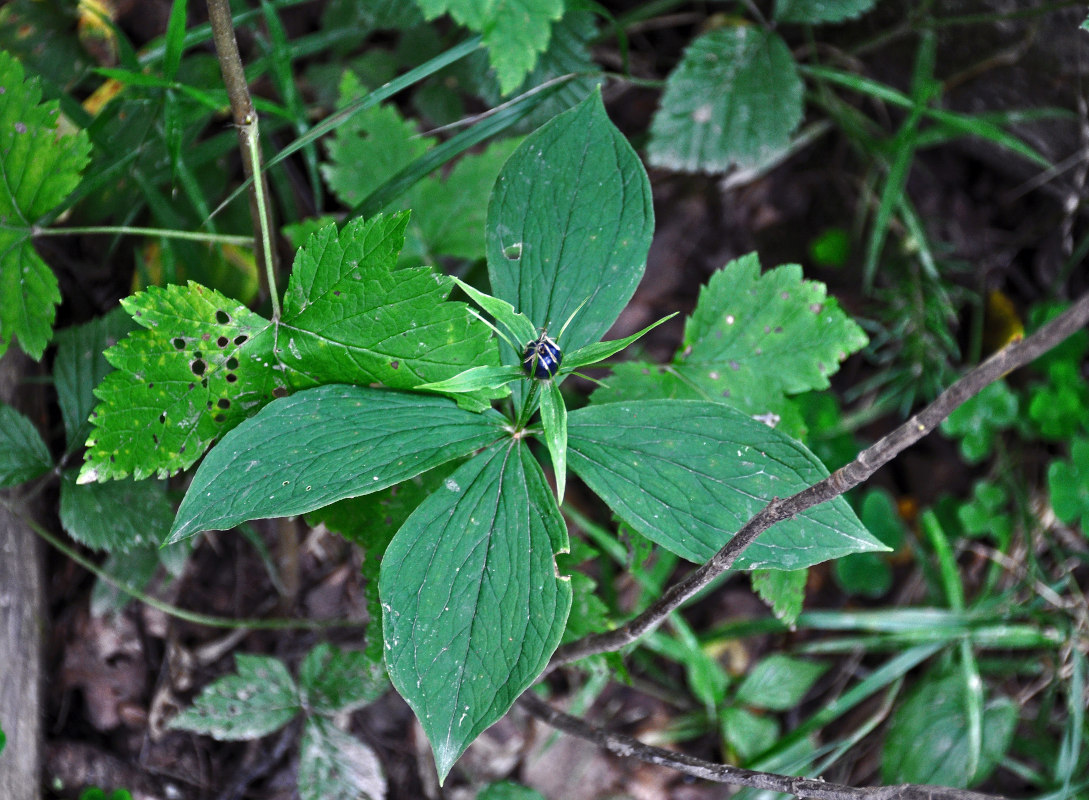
(752, 340)
(204, 363)
(688, 474)
(473, 607)
(735, 98)
(259, 699)
(39, 168)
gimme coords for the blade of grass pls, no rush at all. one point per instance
(434, 158)
(174, 39)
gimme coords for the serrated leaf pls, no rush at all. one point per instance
(203, 364)
(260, 699)
(514, 31)
(318, 446)
(735, 98)
(928, 740)
(783, 591)
(817, 11)
(779, 682)
(688, 474)
(334, 765)
(23, 454)
(40, 169)
(333, 681)
(351, 317)
(80, 365)
(370, 148)
(752, 339)
(569, 223)
(119, 516)
(473, 608)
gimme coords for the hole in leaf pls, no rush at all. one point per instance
(162, 418)
(241, 338)
(279, 391)
(204, 383)
(178, 343)
(231, 377)
(222, 317)
(154, 438)
(219, 417)
(198, 367)
(224, 403)
(223, 341)
(513, 252)
(232, 363)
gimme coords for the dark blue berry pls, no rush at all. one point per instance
(542, 358)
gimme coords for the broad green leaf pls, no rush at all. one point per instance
(752, 339)
(259, 699)
(205, 363)
(779, 682)
(475, 379)
(118, 516)
(334, 765)
(735, 98)
(23, 454)
(40, 168)
(688, 474)
(817, 11)
(1068, 482)
(783, 590)
(928, 739)
(748, 734)
(978, 420)
(80, 365)
(199, 368)
(332, 680)
(570, 223)
(318, 446)
(472, 605)
(515, 32)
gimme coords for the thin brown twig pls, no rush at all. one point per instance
(628, 747)
(1011, 357)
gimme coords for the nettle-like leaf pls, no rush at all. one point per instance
(204, 363)
(818, 11)
(569, 225)
(473, 607)
(318, 446)
(515, 32)
(688, 474)
(40, 169)
(260, 699)
(23, 454)
(333, 765)
(118, 516)
(735, 98)
(752, 340)
(333, 681)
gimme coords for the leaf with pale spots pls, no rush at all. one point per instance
(203, 363)
(260, 699)
(688, 474)
(752, 340)
(472, 605)
(39, 168)
(334, 765)
(735, 98)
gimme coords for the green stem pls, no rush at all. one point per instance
(162, 233)
(197, 618)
